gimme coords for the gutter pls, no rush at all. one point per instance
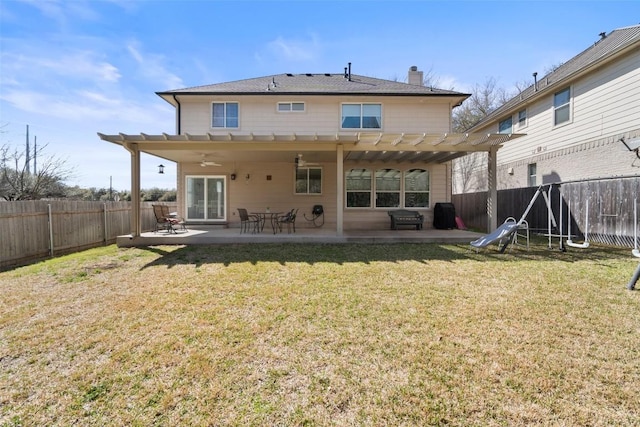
(179, 115)
(537, 92)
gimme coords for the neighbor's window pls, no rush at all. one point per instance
(562, 106)
(224, 115)
(388, 188)
(505, 126)
(358, 187)
(522, 118)
(308, 181)
(286, 107)
(533, 174)
(416, 188)
(361, 116)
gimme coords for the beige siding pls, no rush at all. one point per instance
(605, 103)
(257, 193)
(258, 114)
(605, 107)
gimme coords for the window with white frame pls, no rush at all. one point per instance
(532, 169)
(289, 107)
(416, 188)
(522, 118)
(391, 188)
(562, 106)
(206, 197)
(358, 188)
(224, 115)
(361, 116)
(505, 126)
(387, 188)
(308, 180)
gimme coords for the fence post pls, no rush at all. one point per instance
(50, 230)
(104, 231)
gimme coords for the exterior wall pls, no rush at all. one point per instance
(258, 193)
(258, 114)
(605, 107)
(574, 163)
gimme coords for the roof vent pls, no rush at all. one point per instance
(289, 75)
(309, 75)
(603, 35)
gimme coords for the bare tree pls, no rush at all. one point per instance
(17, 182)
(485, 98)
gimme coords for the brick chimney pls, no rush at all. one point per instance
(415, 76)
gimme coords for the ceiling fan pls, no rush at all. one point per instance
(300, 163)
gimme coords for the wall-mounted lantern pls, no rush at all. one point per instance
(161, 168)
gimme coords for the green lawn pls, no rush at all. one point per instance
(321, 335)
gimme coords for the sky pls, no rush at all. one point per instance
(72, 68)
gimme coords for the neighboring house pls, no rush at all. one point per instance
(357, 145)
(575, 119)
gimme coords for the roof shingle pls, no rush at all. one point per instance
(314, 84)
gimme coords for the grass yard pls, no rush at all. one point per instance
(321, 335)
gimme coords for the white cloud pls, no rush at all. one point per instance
(87, 106)
(152, 67)
(294, 50)
(32, 65)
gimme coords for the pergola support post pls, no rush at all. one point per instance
(339, 189)
(492, 193)
(136, 223)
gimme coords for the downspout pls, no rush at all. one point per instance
(178, 116)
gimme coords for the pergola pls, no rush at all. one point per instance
(419, 148)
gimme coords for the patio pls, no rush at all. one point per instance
(208, 235)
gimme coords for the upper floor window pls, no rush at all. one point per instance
(522, 118)
(506, 126)
(286, 107)
(308, 180)
(562, 106)
(224, 115)
(361, 116)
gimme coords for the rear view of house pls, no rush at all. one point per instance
(359, 146)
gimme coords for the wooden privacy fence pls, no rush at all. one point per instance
(37, 229)
(609, 220)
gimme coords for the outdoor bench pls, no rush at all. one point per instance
(406, 217)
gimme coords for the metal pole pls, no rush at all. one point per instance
(632, 283)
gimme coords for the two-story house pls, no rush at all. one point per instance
(358, 146)
(580, 120)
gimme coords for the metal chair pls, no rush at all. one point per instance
(289, 218)
(165, 221)
(247, 220)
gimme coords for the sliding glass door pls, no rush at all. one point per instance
(206, 198)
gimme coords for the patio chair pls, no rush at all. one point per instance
(247, 221)
(165, 221)
(289, 218)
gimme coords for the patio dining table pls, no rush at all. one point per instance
(273, 217)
